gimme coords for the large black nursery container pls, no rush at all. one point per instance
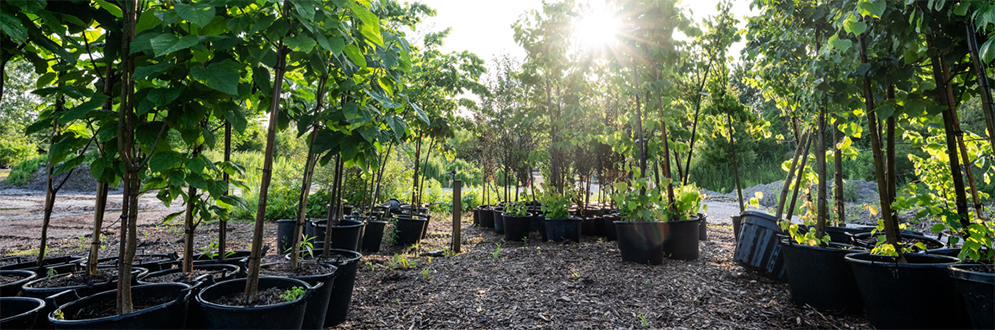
(19, 312)
(169, 313)
(13, 288)
(977, 287)
(559, 230)
(641, 242)
(821, 277)
(917, 295)
(346, 233)
(286, 315)
(757, 248)
(408, 229)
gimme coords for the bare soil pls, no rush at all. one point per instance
(524, 285)
(177, 277)
(4, 279)
(269, 296)
(305, 269)
(77, 279)
(107, 307)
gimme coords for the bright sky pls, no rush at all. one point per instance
(484, 26)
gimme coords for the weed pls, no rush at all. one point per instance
(59, 315)
(425, 274)
(51, 272)
(448, 253)
(82, 244)
(292, 294)
(496, 251)
(646, 323)
(401, 262)
(373, 268)
(525, 240)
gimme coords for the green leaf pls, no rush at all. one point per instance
(163, 96)
(300, 43)
(97, 167)
(962, 8)
(355, 55)
(200, 14)
(151, 71)
(164, 160)
(13, 27)
(110, 8)
(81, 110)
(885, 111)
(938, 227)
(334, 45)
(987, 50)
(421, 114)
(147, 21)
(167, 43)
(873, 8)
(855, 27)
(397, 125)
(222, 76)
(197, 181)
(233, 114)
(842, 44)
(371, 24)
(171, 216)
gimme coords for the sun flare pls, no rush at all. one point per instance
(596, 28)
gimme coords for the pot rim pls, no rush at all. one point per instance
(41, 304)
(30, 276)
(53, 320)
(134, 269)
(527, 215)
(853, 258)
(208, 304)
(969, 275)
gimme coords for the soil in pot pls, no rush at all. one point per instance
(76, 279)
(321, 276)
(919, 294)
(8, 279)
(868, 241)
(177, 277)
(11, 281)
(269, 296)
(108, 307)
(821, 277)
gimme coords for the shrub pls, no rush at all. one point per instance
(13, 152)
(21, 172)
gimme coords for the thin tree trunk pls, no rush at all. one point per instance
(955, 122)
(798, 177)
(332, 204)
(50, 190)
(98, 221)
(223, 222)
(639, 127)
(428, 156)
(295, 241)
(666, 153)
(890, 228)
(680, 168)
(892, 169)
(414, 184)
(791, 173)
(188, 231)
(948, 125)
(126, 148)
(694, 127)
(383, 166)
(986, 93)
(820, 159)
(252, 282)
(735, 169)
(838, 175)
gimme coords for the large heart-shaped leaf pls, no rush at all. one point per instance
(200, 14)
(167, 43)
(222, 76)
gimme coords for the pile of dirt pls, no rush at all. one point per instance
(80, 180)
(863, 192)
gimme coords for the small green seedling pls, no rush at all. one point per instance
(51, 272)
(292, 294)
(426, 275)
(59, 315)
(496, 251)
(646, 323)
(373, 268)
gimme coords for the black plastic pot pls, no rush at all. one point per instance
(977, 288)
(517, 228)
(168, 315)
(219, 272)
(393, 205)
(498, 220)
(641, 242)
(408, 229)
(13, 288)
(30, 290)
(486, 216)
(345, 278)
(559, 230)
(238, 258)
(286, 315)
(821, 277)
(152, 262)
(476, 216)
(680, 239)
(345, 234)
(843, 234)
(609, 224)
(19, 312)
(736, 224)
(919, 294)
(285, 234)
(66, 264)
(702, 227)
(757, 248)
(539, 223)
(317, 303)
(593, 226)
(428, 219)
(373, 235)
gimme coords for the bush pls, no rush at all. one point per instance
(13, 152)
(21, 172)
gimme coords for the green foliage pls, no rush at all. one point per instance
(517, 209)
(15, 151)
(21, 173)
(497, 251)
(554, 204)
(401, 262)
(293, 294)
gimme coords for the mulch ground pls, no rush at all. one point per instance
(582, 285)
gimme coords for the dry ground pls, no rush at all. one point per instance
(522, 285)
